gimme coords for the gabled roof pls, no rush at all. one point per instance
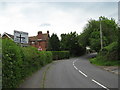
(45, 36)
(8, 35)
(33, 38)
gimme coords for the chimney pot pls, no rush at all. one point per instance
(40, 32)
(48, 32)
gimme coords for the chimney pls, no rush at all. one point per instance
(48, 32)
(39, 35)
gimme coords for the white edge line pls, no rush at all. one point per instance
(100, 84)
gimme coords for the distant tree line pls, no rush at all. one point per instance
(68, 42)
(90, 36)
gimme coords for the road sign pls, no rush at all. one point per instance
(39, 49)
(20, 37)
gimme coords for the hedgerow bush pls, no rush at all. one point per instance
(20, 62)
(110, 52)
(57, 55)
(108, 56)
(11, 64)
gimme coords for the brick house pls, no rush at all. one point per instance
(40, 41)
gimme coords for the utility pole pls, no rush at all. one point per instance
(101, 41)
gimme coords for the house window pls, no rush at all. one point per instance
(33, 42)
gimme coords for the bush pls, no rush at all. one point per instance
(20, 62)
(11, 64)
(101, 62)
(57, 55)
(110, 52)
(108, 56)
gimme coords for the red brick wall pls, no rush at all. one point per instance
(42, 44)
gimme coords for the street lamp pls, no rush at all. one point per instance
(101, 41)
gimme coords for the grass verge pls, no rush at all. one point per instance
(104, 62)
(44, 77)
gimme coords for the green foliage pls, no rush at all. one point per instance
(102, 62)
(57, 55)
(110, 52)
(11, 64)
(113, 46)
(70, 42)
(91, 34)
(54, 43)
(108, 56)
(20, 62)
(95, 41)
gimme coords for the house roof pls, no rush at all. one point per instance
(35, 38)
(8, 35)
(45, 36)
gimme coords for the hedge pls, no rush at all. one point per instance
(20, 62)
(57, 55)
(108, 56)
(110, 52)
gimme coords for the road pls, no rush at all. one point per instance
(78, 73)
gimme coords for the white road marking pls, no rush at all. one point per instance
(100, 84)
(75, 67)
(87, 76)
(82, 73)
(78, 69)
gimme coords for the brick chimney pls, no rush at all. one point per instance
(47, 32)
(39, 35)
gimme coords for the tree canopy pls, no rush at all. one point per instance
(91, 33)
(54, 43)
(70, 42)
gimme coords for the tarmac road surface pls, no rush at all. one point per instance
(75, 73)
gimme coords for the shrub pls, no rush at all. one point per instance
(57, 55)
(20, 62)
(110, 52)
(108, 56)
(11, 64)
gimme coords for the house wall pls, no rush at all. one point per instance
(43, 44)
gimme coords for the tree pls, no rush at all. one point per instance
(91, 33)
(54, 43)
(70, 42)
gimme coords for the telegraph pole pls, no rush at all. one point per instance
(101, 41)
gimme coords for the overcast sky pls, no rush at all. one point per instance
(57, 17)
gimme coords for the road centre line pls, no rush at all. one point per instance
(87, 76)
(82, 73)
(100, 84)
(79, 70)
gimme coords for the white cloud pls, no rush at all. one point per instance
(56, 17)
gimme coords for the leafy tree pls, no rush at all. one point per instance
(91, 33)
(70, 42)
(54, 43)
